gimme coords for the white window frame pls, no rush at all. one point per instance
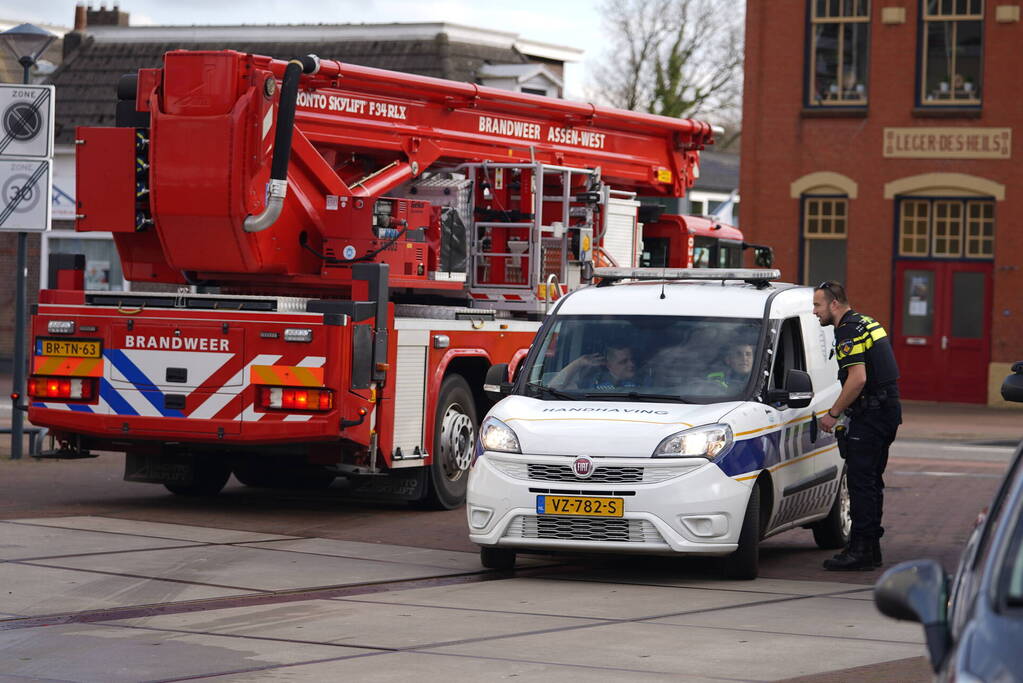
(44, 253)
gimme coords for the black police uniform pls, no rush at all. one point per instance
(874, 418)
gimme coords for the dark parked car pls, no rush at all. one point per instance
(973, 622)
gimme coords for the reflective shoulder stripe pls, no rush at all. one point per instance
(878, 334)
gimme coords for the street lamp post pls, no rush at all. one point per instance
(27, 43)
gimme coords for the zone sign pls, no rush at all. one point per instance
(26, 120)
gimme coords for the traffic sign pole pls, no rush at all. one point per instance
(20, 361)
(26, 149)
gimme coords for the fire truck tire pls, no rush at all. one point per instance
(209, 476)
(454, 436)
(497, 558)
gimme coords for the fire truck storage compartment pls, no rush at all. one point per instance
(105, 169)
(621, 239)
(410, 392)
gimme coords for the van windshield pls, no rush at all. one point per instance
(643, 357)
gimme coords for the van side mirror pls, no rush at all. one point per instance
(1012, 387)
(763, 255)
(496, 385)
(798, 391)
(918, 591)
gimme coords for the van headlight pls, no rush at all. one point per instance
(497, 436)
(700, 442)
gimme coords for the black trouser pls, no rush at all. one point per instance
(871, 432)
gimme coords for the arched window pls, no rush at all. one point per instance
(825, 228)
(824, 209)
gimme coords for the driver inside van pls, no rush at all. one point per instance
(615, 368)
(738, 360)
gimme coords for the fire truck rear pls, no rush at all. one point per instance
(352, 249)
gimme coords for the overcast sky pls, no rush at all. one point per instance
(572, 23)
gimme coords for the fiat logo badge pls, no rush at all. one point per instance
(583, 466)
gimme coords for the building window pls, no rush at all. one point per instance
(102, 264)
(915, 228)
(980, 229)
(952, 48)
(947, 228)
(825, 227)
(839, 32)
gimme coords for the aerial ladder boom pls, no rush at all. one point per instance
(264, 175)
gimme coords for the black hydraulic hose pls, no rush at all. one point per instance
(282, 142)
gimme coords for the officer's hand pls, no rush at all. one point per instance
(827, 423)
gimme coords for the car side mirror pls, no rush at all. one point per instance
(496, 385)
(1012, 387)
(918, 591)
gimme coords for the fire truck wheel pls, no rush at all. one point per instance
(209, 475)
(454, 436)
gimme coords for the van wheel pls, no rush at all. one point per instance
(454, 437)
(744, 563)
(209, 476)
(497, 558)
(834, 530)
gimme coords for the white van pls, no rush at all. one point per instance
(663, 411)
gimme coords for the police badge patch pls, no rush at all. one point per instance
(845, 348)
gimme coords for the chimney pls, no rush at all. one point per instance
(103, 16)
(80, 17)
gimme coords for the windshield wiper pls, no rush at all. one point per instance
(552, 392)
(635, 395)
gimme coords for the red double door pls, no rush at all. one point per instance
(942, 329)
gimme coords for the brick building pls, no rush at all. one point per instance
(881, 148)
(104, 45)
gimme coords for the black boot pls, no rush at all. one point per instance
(859, 556)
(875, 547)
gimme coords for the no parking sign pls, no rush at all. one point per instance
(26, 118)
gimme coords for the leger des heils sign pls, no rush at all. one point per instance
(948, 143)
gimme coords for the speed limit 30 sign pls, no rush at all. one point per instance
(26, 120)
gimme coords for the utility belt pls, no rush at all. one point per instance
(874, 399)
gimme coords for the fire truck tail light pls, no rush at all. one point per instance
(70, 388)
(288, 398)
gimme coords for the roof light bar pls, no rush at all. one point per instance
(745, 274)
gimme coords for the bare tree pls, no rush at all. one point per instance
(678, 58)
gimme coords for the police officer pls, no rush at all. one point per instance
(870, 397)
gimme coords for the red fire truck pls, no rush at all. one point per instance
(353, 248)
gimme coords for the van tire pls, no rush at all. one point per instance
(209, 476)
(497, 558)
(834, 530)
(744, 563)
(455, 427)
